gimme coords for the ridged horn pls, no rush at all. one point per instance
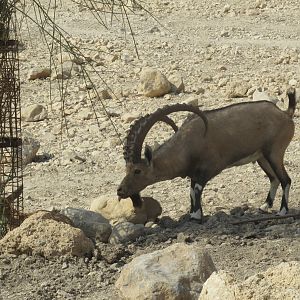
(134, 127)
(139, 130)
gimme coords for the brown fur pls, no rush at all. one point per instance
(234, 134)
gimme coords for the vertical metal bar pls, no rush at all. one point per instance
(11, 179)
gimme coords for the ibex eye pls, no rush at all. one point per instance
(137, 171)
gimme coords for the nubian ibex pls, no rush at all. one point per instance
(209, 142)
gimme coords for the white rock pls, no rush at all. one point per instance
(30, 147)
(222, 82)
(39, 73)
(64, 71)
(153, 83)
(63, 57)
(224, 33)
(176, 83)
(260, 95)
(219, 286)
(191, 100)
(251, 91)
(237, 89)
(85, 114)
(176, 272)
(34, 113)
(226, 8)
(130, 116)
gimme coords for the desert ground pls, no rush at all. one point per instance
(214, 46)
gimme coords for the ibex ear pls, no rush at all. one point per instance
(148, 154)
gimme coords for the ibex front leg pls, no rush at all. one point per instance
(195, 195)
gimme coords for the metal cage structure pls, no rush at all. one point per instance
(11, 179)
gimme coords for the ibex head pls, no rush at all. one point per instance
(141, 173)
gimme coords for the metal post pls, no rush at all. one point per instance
(11, 179)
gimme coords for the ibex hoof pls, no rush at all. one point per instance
(282, 212)
(197, 221)
(196, 216)
(265, 209)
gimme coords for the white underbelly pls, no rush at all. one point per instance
(251, 158)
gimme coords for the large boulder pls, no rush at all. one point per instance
(153, 83)
(47, 234)
(176, 272)
(120, 211)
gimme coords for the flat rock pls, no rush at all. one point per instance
(176, 272)
(191, 100)
(78, 215)
(129, 117)
(125, 232)
(91, 223)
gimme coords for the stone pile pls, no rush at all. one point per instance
(74, 231)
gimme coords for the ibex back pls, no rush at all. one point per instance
(209, 142)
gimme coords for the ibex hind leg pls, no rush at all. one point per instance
(274, 183)
(276, 162)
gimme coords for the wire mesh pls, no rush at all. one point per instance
(11, 179)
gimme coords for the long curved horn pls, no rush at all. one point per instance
(134, 127)
(137, 133)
